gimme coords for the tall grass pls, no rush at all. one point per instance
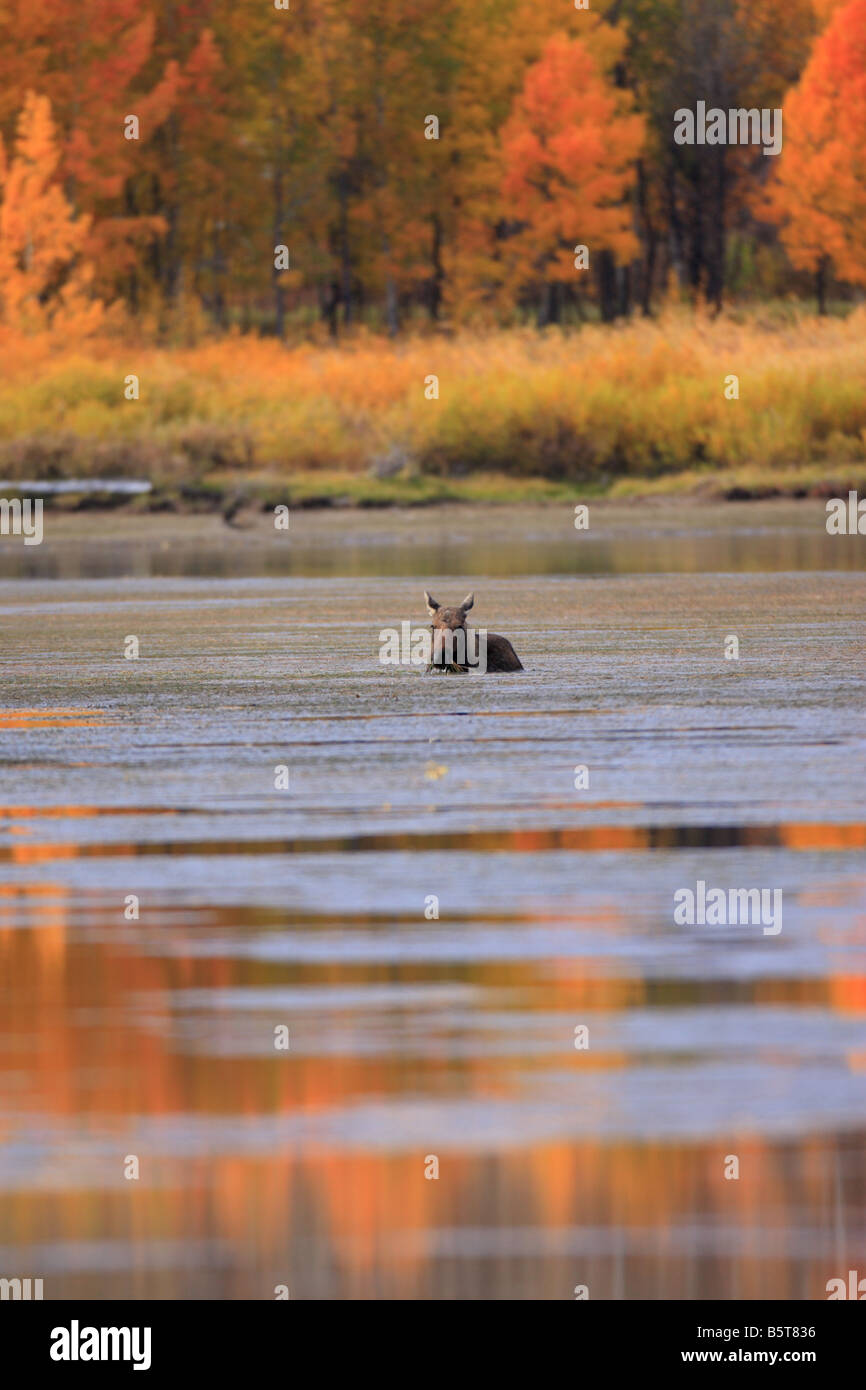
(638, 400)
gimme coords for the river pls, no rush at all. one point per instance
(421, 1023)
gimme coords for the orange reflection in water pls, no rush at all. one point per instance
(584, 839)
(52, 719)
(90, 1050)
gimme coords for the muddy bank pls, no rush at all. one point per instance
(234, 494)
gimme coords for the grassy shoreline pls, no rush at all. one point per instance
(232, 494)
(684, 403)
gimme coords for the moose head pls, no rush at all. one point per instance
(452, 618)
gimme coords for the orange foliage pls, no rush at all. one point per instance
(44, 283)
(820, 193)
(568, 152)
(258, 129)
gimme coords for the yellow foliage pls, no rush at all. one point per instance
(644, 398)
(44, 283)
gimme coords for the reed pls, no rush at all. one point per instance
(639, 401)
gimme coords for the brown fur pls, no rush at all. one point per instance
(501, 656)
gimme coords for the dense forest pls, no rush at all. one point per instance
(291, 165)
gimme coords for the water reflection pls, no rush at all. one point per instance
(648, 537)
(307, 1168)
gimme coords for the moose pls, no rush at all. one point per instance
(449, 644)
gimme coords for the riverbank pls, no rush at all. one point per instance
(740, 405)
(237, 498)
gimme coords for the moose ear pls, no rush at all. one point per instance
(467, 602)
(432, 605)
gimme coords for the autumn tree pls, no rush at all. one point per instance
(44, 280)
(493, 44)
(309, 127)
(693, 200)
(820, 192)
(568, 154)
(95, 68)
(404, 56)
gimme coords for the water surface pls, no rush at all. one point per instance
(414, 1036)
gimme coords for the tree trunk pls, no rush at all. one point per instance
(607, 286)
(716, 273)
(650, 241)
(821, 284)
(278, 292)
(696, 247)
(677, 250)
(171, 266)
(550, 306)
(329, 299)
(392, 316)
(438, 276)
(624, 279)
(345, 258)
